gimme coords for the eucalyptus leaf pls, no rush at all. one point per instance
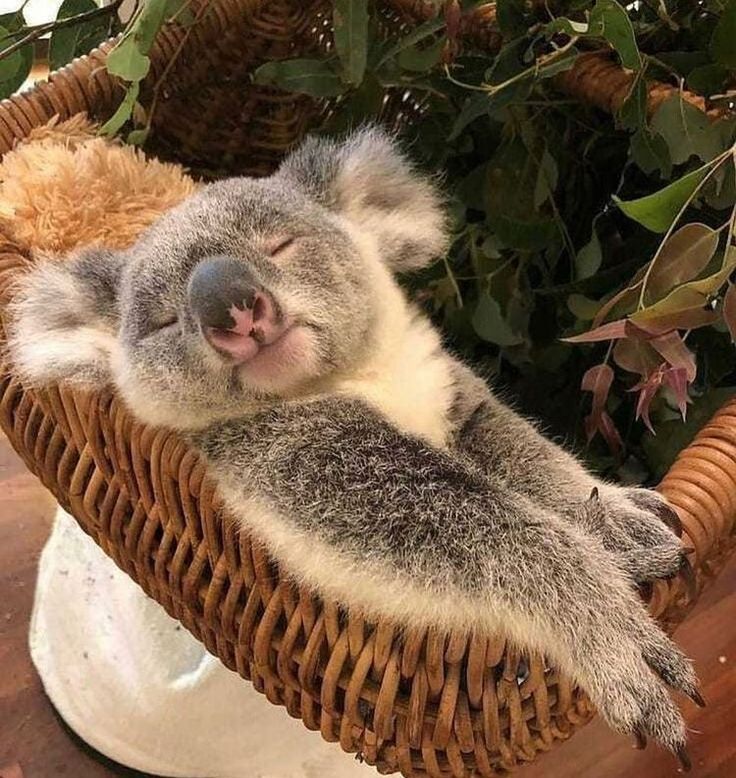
(12, 22)
(147, 23)
(649, 151)
(10, 65)
(723, 42)
(124, 111)
(684, 255)
(421, 59)
(489, 324)
(633, 113)
(708, 80)
(583, 308)
(350, 30)
(610, 20)
(694, 295)
(127, 62)
(308, 76)
(69, 42)
(657, 211)
(546, 179)
(418, 35)
(686, 130)
(476, 105)
(512, 19)
(558, 64)
(589, 258)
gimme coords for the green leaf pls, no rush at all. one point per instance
(308, 76)
(686, 130)
(124, 111)
(511, 15)
(70, 42)
(546, 179)
(138, 137)
(510, 211)
(649, 151)
(147, 23)
(350, 28)
(583, 308)
(694, 295)
(489, 324)
(525, 234)
(707, 80)
(24, 62)
(684, 256)
(723, 42)
(129, 59)
(417, 35)
(558, 64)
(9, 66)
(568, 26)
(127, 62)
(420, 60)
(589, 258)
(475, 106)
(633, 113)
(609, 20)
(657, 211)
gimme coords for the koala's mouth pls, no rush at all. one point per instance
(254, 328)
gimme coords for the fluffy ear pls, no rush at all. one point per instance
(367, 179)
(64, 319)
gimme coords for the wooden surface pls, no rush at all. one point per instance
(33, 738)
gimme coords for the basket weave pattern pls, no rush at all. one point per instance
(417, 702)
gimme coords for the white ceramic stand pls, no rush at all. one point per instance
(136, 686)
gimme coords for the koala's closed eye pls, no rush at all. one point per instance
(162, 322)
(279, 244)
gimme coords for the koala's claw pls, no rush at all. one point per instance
(639, 528)
(684, 758)
(653, 503)
(686, 572)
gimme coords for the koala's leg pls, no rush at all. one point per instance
(581, 601)
(637, 524)
(366, 514)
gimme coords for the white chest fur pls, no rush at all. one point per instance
(408, 378)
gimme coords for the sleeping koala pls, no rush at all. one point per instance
(262, 319)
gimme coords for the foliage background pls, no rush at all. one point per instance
(545, 193)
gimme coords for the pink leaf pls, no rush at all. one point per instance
(610, 434)
(614, 329)
(647, 389)
(636, 356)
(676, 379)
(672, 347)
(598, 380)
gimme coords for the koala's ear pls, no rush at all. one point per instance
(369, 180)
(64, 319)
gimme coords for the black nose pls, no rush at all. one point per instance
(218, 284)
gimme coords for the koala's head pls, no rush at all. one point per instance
(251, 289)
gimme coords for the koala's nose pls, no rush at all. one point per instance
(217, 285)
(236, 314)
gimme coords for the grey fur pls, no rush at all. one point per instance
(499, 514)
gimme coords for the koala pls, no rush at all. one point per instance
(263, 320)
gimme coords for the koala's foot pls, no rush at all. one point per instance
(629, 679)
(640, 529)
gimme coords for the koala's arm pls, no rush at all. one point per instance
(387, 524)
(635, 523)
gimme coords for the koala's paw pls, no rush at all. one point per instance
(629, 685)
(640, 529)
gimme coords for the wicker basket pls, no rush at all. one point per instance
(421, 703)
